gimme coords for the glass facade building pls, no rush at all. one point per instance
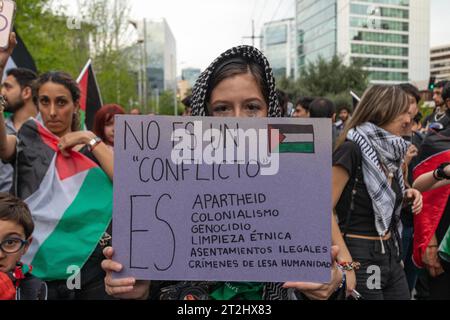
(161, 56)
(316, 30)
(440, 62)
(278, 45)
(190, 75)
(391, 37)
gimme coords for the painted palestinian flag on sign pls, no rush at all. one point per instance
(293, 138)
(91, 99)
(70, 199)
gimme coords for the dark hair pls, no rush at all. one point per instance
(305, 102)
(187, 102)
(441, 84)
(16, 210)
(236, 66)
(343, 105)
(322, 108)
(411, 90)
(24, 77)
(283, 98)
(446, 92)
(65, 80)
(418, 118)
(104, 116)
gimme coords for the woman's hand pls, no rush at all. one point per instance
(350, 282)
(411, 154)
(318, 291)
(126, 288)
(74, 139)
(415, 197)
(431, 258)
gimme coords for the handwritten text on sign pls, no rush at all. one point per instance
(222, 199)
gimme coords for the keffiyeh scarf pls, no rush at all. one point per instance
(199, 103)
(382, 155)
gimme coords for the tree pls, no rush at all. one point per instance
(166, 104)
(113, 58)
(43, 27)
(332, 79)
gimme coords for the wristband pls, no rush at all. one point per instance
(350, 266)
(344, 279)
(439, 174)
(94, 143)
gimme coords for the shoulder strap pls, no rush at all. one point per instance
(354, 181)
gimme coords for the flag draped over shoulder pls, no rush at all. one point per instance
(70, 199)
(434, 151)
(91, 100)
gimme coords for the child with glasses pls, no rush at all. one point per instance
(16, 228)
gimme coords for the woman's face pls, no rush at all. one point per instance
(402, 125)
(57, 108)
(109, 132)
(238, 96)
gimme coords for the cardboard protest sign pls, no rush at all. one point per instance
(222, 199)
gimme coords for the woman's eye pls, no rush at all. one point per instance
(220, 109)
(44, 101)
(253, 107)
(61, 102)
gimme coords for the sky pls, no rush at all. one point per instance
(204, 29)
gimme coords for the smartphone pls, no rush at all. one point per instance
(7, 14)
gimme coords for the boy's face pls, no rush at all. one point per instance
(12, 231)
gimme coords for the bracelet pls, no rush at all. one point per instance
(350, 266)
(93, 143)
(439, 174)
(433, 246)
(344, 279)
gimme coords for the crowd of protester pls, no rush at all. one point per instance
(376, 197)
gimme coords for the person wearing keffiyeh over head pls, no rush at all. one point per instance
(237, 84)
(369, 191)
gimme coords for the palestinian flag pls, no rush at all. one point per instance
(70, 199)
(20, 58)
(91, 99)
(444, 248)
(433, 152)
(293, 138)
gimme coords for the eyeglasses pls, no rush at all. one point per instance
(12, 245)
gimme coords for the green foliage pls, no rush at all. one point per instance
(166, 104)
(331, 79)
(42, 25)
(45, 33)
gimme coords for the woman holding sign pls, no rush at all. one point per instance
(64, 175)
(369, 191)
(237, 84)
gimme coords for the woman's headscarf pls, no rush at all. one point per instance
(199, 103)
